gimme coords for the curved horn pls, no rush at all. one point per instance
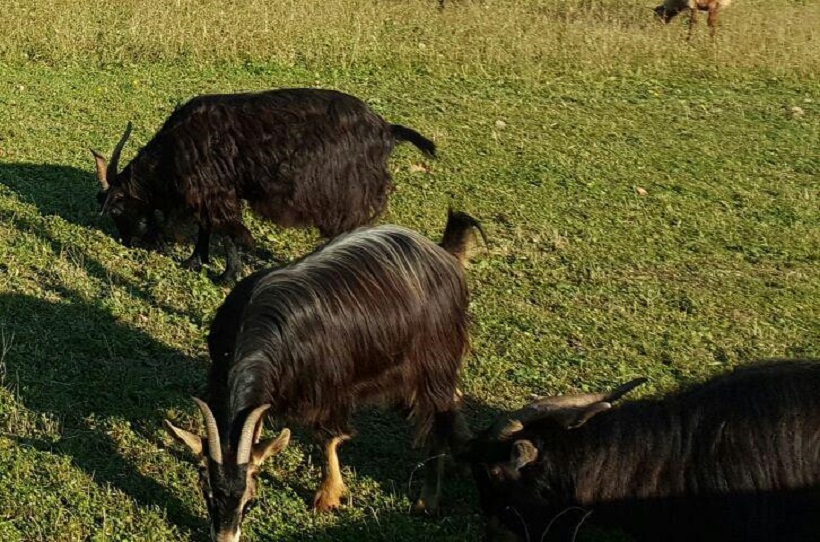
(211, 431)
(243, 452)
(543, 408)
(102, 167)
(111, 172)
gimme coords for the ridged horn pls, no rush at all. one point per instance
(549, 406)
(243, 451)
(115, 156)
(211, 431)
(102, 167)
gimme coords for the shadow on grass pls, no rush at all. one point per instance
(71, 194)
(382, 451)
(73, 361)
(54, 189)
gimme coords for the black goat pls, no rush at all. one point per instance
(735, 458)
(378, 315)
(299, 157)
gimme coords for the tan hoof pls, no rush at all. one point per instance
(427, 504)
(328, 499)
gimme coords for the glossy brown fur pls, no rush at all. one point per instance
(376, 316)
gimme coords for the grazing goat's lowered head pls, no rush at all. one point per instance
(229, 470)
(300, 158)
(374, 317)
(130, 214)
(733, 458)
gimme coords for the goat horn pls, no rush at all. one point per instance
(211, 431)
(545, 407)
(101, 166)
(243, 452)
(115, 156)
(623, 389)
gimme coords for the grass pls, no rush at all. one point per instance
(652, 207)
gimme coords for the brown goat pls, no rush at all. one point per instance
(672, 8)
(375, 316)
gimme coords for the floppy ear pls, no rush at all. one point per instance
(524, 452)
(187, 438)
(268, 447)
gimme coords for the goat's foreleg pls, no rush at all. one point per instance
(712, 19)
(693, 20)
(329, 496)
(233, 262)
(449, 429)
(201, 249)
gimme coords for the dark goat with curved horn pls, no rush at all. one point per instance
(299, 157)
(734, 458)
(378, 315)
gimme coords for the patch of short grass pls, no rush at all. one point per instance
(652, 209)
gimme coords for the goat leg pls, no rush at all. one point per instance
(693, 20)
(201, 249)
(333, 486)
(448, 429)
(712, 19)
(233, 263)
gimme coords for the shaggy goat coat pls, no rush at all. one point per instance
(298, 157)
(735, 458)
(376, 315)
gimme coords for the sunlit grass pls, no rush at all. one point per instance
(652, 207)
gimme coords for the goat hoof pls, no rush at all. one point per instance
(426, 506)
(230, 276)
(326, 501)
(193, 264)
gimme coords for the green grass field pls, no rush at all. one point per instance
(653, 208)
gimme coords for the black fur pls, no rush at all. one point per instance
(735, 458)
(298, 157)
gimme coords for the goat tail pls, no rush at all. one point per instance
(403, 133)
(459, 234)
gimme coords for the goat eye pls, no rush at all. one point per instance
(495, 471)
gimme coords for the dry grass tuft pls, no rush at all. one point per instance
(524, 38)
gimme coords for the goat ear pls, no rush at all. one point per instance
(272, 446)
(576, 417)
(187, 438)
(524, 452)
(102, 166)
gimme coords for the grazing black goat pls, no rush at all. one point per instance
(735, 458)
(299, 157)
(378, 315)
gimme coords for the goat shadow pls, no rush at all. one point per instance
(382, 451)
(71, 194)
(55, 189)
(71, 360)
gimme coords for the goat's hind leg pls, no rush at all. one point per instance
(449, 430)
(236, 234)
(712, 19)
(693, 20)
(330, 493)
